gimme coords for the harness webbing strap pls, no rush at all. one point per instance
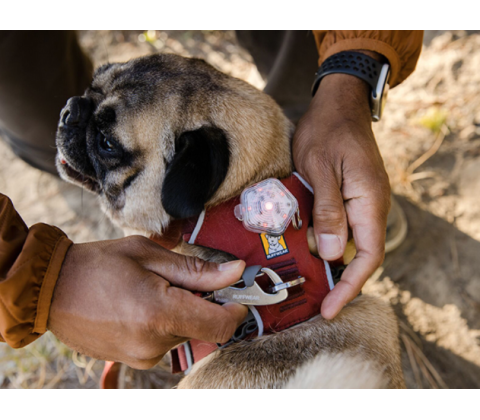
(218, 228)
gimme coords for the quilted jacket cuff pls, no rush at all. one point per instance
(27, 286)
(48, 284)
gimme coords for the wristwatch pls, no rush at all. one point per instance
(375, 73)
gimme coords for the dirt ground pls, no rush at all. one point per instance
(430, 141)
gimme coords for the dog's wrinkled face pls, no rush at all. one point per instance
(162, 136)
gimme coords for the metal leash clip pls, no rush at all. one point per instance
(251, 293)
(287, 284)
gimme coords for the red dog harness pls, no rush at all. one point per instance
(288, 255)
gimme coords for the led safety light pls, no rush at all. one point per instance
(267, 207)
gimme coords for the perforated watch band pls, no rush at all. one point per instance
(349, 62)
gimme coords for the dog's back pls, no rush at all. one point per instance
(360, 344)
(338, 371)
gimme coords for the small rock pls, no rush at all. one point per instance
(469, 133)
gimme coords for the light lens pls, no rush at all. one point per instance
(266, 207)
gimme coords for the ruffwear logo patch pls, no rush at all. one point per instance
(274, 246)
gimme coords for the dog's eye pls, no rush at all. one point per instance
(105, 143)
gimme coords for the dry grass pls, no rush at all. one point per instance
(422, 369)
(404, 176)
(47, 363)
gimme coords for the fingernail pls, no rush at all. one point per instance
(232, 265)
(329, 246)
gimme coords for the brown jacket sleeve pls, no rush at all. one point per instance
(30, 261)
(401, 48)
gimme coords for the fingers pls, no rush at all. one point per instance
(196, 274)
(194, 317)
(190, 272)
(312, 243)
(329, 218)
(367, 217)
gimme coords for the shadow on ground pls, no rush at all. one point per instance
(436, 272)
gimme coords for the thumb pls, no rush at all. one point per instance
(193, 273)
(329, 216)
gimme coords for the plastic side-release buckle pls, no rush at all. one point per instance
(249, 326)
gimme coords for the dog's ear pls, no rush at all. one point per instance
(197, 170)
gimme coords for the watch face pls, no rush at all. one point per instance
(380, 93)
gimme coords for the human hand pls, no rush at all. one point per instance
(127, 300)
(334, 149)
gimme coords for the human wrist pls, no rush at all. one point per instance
(347, 92)
(342, 96)
(58, 314)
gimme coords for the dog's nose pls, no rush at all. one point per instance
(76, 111)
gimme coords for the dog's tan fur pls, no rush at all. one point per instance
(366, 329)
(259, 139)
(338, 371)
(259, 134)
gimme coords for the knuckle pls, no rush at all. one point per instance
(158, 320)
(352, 290)
(194, 266)
(329, 213)
(381, 208)
(382, 181)
(384, 191)
(137, 244)
(149, 318)
(171, 320)
(380, 202)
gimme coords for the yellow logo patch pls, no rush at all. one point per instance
(274, 246)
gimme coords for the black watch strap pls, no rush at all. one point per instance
(349, 62)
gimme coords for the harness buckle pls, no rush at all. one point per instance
(249, 326)
(251, 293)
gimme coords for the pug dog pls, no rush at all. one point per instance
(162, 137)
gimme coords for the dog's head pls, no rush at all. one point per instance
(272, 240)
(163, 136)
